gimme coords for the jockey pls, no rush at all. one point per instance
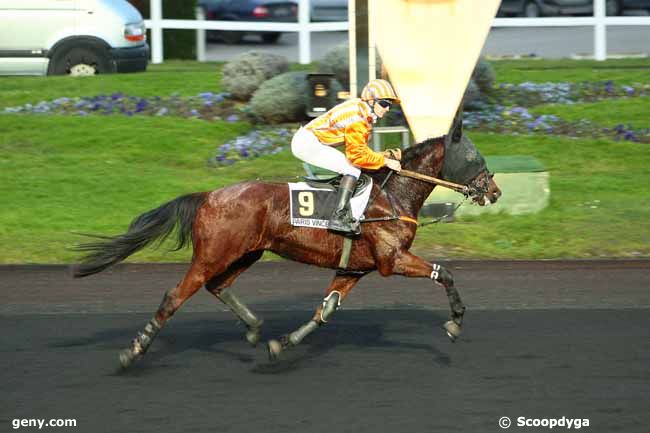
(349, 124)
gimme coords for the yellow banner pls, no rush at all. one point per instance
(429, 49)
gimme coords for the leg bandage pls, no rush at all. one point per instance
(436, 272)
(330, 304)
(142, 342)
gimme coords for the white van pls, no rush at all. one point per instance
(76, 37)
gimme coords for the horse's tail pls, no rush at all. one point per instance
(156, 224)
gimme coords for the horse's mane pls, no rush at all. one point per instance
(415, 152)
(410, 155)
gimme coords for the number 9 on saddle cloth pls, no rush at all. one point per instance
(313, 201)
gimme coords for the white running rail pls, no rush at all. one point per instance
(304, 27)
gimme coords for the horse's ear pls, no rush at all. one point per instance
(456, 130)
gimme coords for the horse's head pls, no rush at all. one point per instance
(465, 165)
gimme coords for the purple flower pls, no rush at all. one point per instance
(232, 118)
(629, 90)
(141, 105)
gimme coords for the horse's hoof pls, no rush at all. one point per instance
(452, 329)
(126, 358)
(275, 348)
(253, 336)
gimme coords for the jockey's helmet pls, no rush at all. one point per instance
(379, 89)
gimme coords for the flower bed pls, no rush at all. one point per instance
(532, 94)
(518, 120)
(504, 111)
(208, 106)
(252, 145)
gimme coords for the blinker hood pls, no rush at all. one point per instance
(463, 162)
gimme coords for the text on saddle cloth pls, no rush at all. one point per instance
(312, 206)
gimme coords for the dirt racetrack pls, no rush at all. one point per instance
(543, 340)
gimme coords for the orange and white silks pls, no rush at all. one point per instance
(348, 123)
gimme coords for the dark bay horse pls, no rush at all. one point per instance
(231, 227)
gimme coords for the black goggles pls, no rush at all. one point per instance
(385, 103)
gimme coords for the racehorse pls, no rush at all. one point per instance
(231, 227)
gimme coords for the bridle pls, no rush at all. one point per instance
(480, 185)
(477, 188)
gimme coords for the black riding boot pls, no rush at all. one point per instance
(341, 219)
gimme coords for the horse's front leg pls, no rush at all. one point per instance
(410, 265)
(336, 292)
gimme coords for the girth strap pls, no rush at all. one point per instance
(345, 253)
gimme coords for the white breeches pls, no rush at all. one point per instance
(306, 147)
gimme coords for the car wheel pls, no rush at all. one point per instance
(232, 37)
(270, 38)
(612, 8)
(532, 10)
(80, 62)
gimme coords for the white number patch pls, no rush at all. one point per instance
(306, 200)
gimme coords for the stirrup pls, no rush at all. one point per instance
(351, 227)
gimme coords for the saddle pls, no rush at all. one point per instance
(333, 183)
(312, 201)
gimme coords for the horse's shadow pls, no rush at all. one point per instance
(362, 329)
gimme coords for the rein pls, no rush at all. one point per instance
(466, 190)
(463, 189)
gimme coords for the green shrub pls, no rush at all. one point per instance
(472, 96)
(282, 98)
(484, 75)
(178, 44)
(337, 61)
(243, 75)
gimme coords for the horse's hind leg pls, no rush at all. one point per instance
(197, 275)
(219, 283)
(336, 292)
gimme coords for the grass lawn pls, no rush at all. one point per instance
(623, 71)
(631, 111)
(64, 174)
(596, 209)
(184, 78)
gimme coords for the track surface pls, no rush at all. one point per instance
(542, 340)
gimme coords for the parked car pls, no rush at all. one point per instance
(267, 11)
(539, 8)
(75, 37)
(616, 7)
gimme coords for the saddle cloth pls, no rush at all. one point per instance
(312, 202)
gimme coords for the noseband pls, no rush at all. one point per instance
(480, 185)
